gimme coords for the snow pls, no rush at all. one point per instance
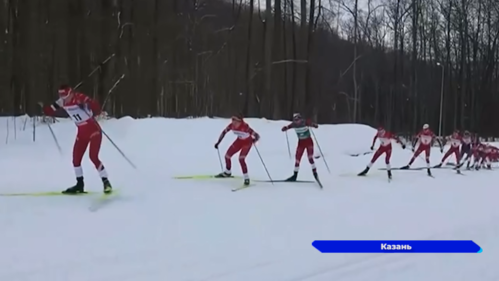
(198, 230)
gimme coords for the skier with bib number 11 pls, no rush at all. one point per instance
(246, 136)
(81, 109)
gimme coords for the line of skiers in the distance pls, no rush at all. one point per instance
(464, 146)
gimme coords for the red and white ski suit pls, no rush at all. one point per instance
(82, 109)
(455, 142)
(243, 143)
(425, 139)
(385, 138)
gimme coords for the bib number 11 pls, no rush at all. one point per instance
(77, 117)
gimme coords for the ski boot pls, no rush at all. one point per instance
(224, 175)
(293, 177)
(363, 173)
(389, 174)
(316, 176)
(489, 167)
(246, 182)
(429, 172)
(458, 171)
(438, 166)
(107, 186)
(78, 188)
(406, 167)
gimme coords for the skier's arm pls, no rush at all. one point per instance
(311, 124)
(440, 144)
(224, 132)
(50, 110)
(374, 141)
(88, 103)
(287, 127)
(398, 140)
(253, 134)
(416, 139)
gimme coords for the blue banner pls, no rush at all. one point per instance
(396, 246)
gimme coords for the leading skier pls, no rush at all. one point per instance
(82, 110)
(243, 143)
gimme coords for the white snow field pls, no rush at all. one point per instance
(165, 229)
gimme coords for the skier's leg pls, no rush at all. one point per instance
(93, 153)
(427, 151)
(233, 149)
(447, 154)
(79, 148)
(310, 155)
(416, 154)
(300, 149)
(375, 157)
(388, 155)
(457, 154)
(242, 161)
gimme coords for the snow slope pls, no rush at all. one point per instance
(192, 230)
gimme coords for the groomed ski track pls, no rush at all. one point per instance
(198, 230)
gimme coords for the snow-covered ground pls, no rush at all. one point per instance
(198, 230)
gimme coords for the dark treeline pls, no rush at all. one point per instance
(380, 63)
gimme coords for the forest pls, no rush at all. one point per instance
(392, 63)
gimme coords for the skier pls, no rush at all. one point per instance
(455, 142)
(82, 109)
(245, 139)
(385, 139)
(305, 142)
(494, 154)
(425, 139)
(466, 149)
(486, 153)
(478, 153)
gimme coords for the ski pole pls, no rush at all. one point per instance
(117, 148)
(55, 139)
(287, 141)
(320, 150)
(263, 163)
(51, 131)
(15, 128)
(220, 160)
(7, 135)
(34, 127)
(94, 70)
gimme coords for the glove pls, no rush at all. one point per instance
(256, 138)
(284, 129)
(403, 146)
(216, 145)
(372, 147)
